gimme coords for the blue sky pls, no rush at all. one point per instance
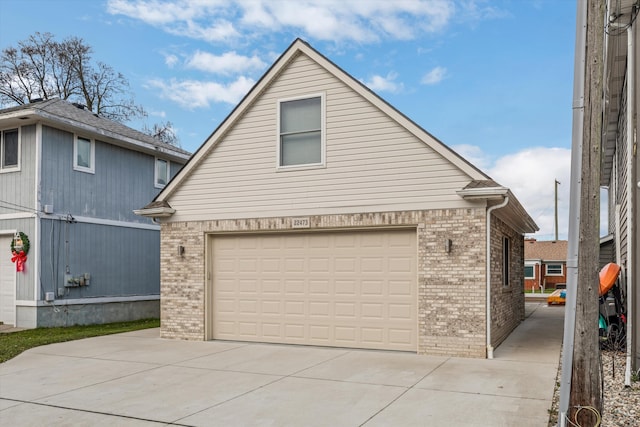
(491, 79)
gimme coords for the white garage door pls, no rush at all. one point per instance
(7, 283)
(345, 289)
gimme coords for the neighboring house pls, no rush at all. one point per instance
(318, 214)
(620, 163)
(69, 181)
(545, 264)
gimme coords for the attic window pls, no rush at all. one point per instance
(84, 154)
(301, 132)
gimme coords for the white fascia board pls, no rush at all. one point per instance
(483, 193)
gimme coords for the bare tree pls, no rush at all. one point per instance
(41, 67)
(164, 132)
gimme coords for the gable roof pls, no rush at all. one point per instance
(480, 187)
(301, 47)
(77, 118)
(548, 250)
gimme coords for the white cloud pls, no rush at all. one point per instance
(360, 21)
(384, 84)
(530, 174)
(171, 60)
(160, 114)
(474, 155)
(434, 76)
(192, 94)
(227, 63)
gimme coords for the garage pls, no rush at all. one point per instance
(346, 289)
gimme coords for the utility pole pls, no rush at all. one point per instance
(585, 376)
(556, 210)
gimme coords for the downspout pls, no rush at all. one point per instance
(630, 192)
(574, 210)
(488, 263)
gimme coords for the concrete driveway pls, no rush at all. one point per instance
(138, 379)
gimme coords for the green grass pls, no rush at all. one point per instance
(14, 343)
(546, 291)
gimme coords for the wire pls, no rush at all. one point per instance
(19, 207)
(614, 17)
(579, 408)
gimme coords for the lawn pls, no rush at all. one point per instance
(14, 343)
(546, 291)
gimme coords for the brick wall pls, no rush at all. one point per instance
(507, 301)
(451, 292)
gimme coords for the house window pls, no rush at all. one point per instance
(506, 244)
(301, 132)
(529, 272)
(555, 269)
(84, 154)
(162, 173)
(10, 150)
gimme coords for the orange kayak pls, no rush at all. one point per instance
(608, 276)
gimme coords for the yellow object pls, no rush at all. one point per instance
(556, 297)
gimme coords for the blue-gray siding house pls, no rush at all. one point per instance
(70, 180)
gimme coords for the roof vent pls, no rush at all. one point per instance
(78, 105)
(34, 100)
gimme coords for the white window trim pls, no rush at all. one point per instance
(78, 168)
(533, 266)
(7, 169)
(323, 127)
(546, 269)
(155, 172)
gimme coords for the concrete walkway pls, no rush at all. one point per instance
(138, 379)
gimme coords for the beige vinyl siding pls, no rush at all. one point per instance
(372, 163)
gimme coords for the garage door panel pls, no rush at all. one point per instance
(271, 307)
(294, 331)
(319, 287)
(320, 309)
(319, 334)
(400, 311)
(271, 286)
(272, 330)
(345, 310)
(350, 289)
(247, 329)
(295, 308)
(296, 286)
(372, 287)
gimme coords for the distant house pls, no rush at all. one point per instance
(318, 214)
(69, 181)
(620, 171)
(545, 264)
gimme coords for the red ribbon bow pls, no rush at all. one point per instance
(19, 258)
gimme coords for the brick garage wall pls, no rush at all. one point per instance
(451, 292)
(507, 302)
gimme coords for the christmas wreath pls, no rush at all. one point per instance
(25, 243)
(19, 256)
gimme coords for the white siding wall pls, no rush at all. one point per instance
(372, 163)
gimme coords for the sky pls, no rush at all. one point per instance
(491, 79)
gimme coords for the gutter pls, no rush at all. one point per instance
(630, 201)
(504, 203)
